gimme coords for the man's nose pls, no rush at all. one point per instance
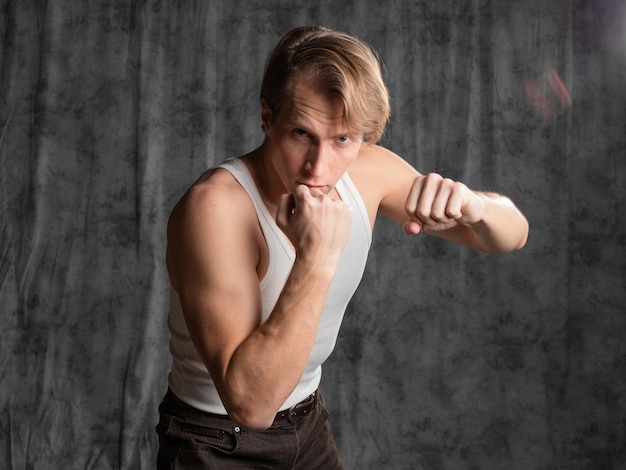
(318, 159)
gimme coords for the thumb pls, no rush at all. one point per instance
(411, 227)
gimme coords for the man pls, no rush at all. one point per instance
(265, 251)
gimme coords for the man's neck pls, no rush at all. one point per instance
(265, 178)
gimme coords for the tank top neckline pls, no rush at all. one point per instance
(262, 208)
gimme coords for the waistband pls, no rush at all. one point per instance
(299, 410)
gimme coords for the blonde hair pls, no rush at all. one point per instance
(339, 65)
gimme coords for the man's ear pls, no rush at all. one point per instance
(266, 117)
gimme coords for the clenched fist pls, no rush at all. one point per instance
(317, 225)
(436, 203)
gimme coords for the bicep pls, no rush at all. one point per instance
(212, 258)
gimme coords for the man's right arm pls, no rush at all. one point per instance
(213, 253)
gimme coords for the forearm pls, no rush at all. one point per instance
(502, 229)
(266, 367)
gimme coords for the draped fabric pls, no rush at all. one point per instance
(448, 358)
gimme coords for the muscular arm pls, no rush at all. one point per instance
(213, 254)
(438, 206)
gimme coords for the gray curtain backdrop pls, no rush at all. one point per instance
(448, 359)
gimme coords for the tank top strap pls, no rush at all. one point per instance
(239, 170)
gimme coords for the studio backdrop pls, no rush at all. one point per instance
(448, 358)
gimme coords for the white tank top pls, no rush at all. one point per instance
(189, 378)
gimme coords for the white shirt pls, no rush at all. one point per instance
(190, 380)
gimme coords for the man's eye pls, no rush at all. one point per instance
(300, 132)
(343, 139)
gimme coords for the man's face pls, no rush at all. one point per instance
(308, 142)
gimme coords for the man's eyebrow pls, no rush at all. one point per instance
(299, 121)
(296, 119)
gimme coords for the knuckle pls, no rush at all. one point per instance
(434, 178)
(423, 212)
(438, 214)
(450, 215)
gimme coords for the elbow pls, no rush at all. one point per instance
(522, 243)
(247, 406)
(524, 228)
(250, 412)
(252, 419)
(523, 236)
(515, 244)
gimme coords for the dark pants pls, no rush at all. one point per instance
(193, 439)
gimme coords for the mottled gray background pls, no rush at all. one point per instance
(448, 359)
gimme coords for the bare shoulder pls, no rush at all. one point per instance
(213, 190)
(374, 158)
(215, 196)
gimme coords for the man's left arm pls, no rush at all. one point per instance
(448, 209)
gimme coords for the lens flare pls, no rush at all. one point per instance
(547, 94)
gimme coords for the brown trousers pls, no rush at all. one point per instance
(193, 439)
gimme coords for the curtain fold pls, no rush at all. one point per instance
(447, 358)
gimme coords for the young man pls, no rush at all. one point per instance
(265, 251)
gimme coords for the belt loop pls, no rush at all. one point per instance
(291, 414)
